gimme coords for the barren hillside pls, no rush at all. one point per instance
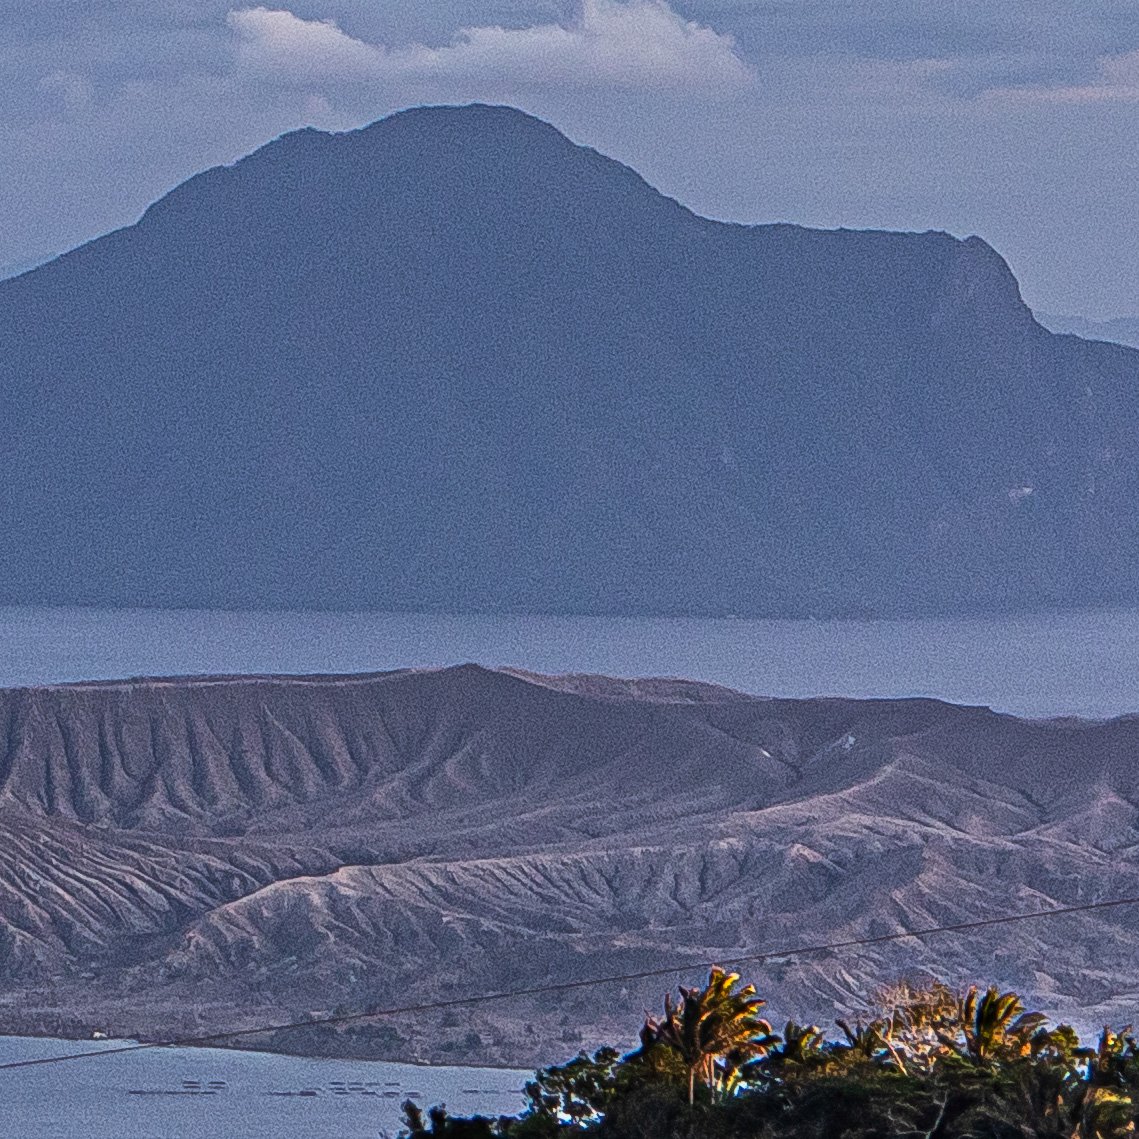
(203, 854)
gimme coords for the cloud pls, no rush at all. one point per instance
(1012, 118)
(638, 44)
(276, 40)
(1116, 81)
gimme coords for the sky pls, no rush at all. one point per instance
(1012, 119)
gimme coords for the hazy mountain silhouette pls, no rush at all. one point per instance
(15, 268)
(453, 360)
(1117, 330)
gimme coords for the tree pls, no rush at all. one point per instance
(577, 1092)
(917, 1019)
(715, 1030)
(995, 1025)
(932, 1063)
(863, 1043)
(1105, 1104)
(801, 1046)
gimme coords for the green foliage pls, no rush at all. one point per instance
(715, 1031)
(577, 1092)
(995, 1026)
(439, 1123)
(928, 1063)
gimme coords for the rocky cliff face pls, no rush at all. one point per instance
(452, 361)
(200, 855)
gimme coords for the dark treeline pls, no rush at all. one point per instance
(929, 1063)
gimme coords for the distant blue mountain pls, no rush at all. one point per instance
(453, 361)
(15, 268)
(1118, 330)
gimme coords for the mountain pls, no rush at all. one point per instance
(454, 362)
(1119, 330)
(15, 268)
(200, 855)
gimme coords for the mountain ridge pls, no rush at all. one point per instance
(453, 361)
(218, 856)
(1115, 330)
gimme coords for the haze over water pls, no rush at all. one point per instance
(201, 1093)
(1079, 663)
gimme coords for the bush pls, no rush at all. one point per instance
(931, 1064)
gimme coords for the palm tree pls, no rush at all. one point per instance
(865, 1043)
(995, 1024)
(802, 1044)
(715, 1031)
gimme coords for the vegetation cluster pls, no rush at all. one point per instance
(928, 1063)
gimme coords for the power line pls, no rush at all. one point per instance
(568, 986)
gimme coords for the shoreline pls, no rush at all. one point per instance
(132, 1045)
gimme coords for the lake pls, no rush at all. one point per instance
(1084, 663)
(203, 1093)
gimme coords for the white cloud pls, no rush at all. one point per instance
(276, 40)
(1116, 81)
(613, 43)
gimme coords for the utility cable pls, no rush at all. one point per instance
(568, 986)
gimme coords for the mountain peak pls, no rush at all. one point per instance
(453, 360)
(463, 116)
(433, 158)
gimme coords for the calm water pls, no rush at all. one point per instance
(167, 1094)
(1085, 663)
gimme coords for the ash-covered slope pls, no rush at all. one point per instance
(200, 854)
(454, 361)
